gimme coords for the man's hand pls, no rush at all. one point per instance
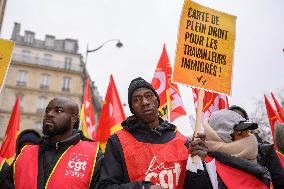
(198, 146)
(156, 187)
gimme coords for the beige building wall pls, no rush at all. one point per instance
(2, 12)
(38, 63)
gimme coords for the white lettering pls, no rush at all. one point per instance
(177, 172)
(150, 175)
(165, 174)
(70, 164)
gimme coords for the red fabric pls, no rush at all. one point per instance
(212, 102)
(162, 83)
(8, 148)
(89, 113)
(272, 116)
(27, 160)
(279, 108)
(74, 169)
(281, 158)
(112, 113)
(235, 178)
(163, 164)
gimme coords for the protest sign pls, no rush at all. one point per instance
(204, 55)
(6, 48)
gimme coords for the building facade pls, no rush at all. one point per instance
(2, 12)
(41, 70)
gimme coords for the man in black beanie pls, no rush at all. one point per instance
(149, 152)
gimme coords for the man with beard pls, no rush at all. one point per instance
(61, 160)
(149, 152)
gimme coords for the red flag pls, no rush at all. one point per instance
(212, 102)
(87, 115)
(8, 148)
(272, 116)
(111, 116)
(279, 109)
(168, 92)
(273, 121)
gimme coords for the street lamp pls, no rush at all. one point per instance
(118, 45)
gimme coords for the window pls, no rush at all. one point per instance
(44, 81)
(67, 63)
(42, 103)
(66, 84)
(1, 121)
(47, 59)
(69, 45)
(49, 41)
(26, 56)
(29, 37)
(22, 78)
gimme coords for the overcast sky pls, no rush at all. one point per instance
(144, 26)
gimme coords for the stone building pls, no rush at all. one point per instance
(2, 12)
(39, 71)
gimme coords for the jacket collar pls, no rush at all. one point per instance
(132, 124)
(73, 139)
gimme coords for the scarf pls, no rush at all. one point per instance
(245, 148)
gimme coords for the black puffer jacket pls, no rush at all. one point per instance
(114, 171)
(268, 158)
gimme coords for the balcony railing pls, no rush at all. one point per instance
(46, 62)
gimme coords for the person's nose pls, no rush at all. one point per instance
(145, 101)
(49, 113)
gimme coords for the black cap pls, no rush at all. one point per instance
(137, 83)
(245, 125)
(235, 107)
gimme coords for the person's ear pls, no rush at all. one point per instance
(73, 119)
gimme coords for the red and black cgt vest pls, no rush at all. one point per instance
(161, 164)
(235, 178)
(74, 169)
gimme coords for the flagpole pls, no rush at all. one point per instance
(168, 105)
(198, 120)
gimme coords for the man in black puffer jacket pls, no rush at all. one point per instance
(148, 152)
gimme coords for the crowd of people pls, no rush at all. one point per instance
(148, 153)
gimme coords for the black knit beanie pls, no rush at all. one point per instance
(137, 83)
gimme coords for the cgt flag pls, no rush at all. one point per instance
(170, 99)
(87, 115)
(8, 148)
(111, 116)
(212, 102)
